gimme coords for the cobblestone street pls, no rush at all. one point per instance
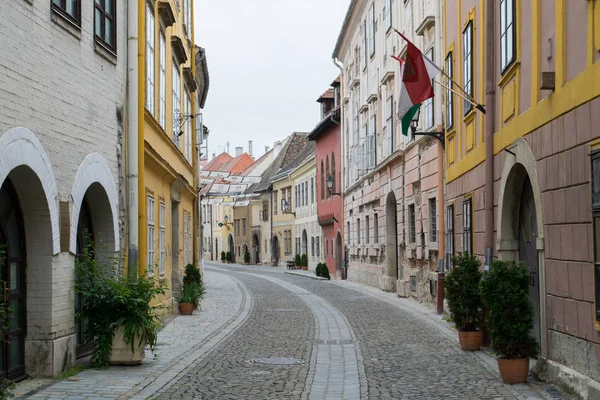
(265, 334)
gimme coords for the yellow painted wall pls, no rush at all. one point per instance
(283, 222)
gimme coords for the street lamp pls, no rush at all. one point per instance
(414, 124)
(285, 208)
(330, 186)
(224, 223)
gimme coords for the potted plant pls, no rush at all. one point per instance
(304, 261)
(120, 319)
(298, 261)
(229, 257)
(323, 271)
(505, 292)
(464, 300)
(223, 257)
(190, 297)
(191, 274)
(247, 257)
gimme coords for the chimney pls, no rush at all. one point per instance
(239, 151)
(250, 148)
(266, 149)
(276, 148)
(214, 155)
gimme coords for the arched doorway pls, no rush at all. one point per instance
(231, 247)
(520, 235)
(85, 249)
(304, 243)
(217, 254)
(275, 251)
(256, 246)
(12, 274)
(338, 256)
(391, 235)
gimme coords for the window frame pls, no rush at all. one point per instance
(357, 230)
(61, 9)
(162, 239)
(363, 60)
(375, 228)
(150, 227)
(505, 61)
(433, 234)
(150, 59)
(112, 17)
(412, 224)
(468, 83)
(187, 128)
(450, 235)
(389, 125)
(595, 201)
(162, 79)
(176, 98)
(449, 64)
(367, 229)
(388, 15)
(372, 30)
(468, 225)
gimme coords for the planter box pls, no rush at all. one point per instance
(121, 352)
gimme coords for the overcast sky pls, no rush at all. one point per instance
(268, 61)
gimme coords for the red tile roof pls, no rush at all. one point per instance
(218, 162)
(238, 164)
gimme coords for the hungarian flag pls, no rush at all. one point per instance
(417, 73)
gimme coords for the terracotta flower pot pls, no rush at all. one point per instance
(470, 341)
(186, 308)
(514, 371)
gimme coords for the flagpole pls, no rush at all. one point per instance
(478, 106)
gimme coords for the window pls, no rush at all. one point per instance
(244, 226)
(298, 245)
(372, 30)
(358, 232)
(312, 190)
(322, 181)
(332, 249)
(150, 59)
(312, 246)
(348, 233)
(187, 239)
(376, 228)
(507, 33)
(449, 98)
(428, 111)
(387, 12)
(70, 9)
(412, 233)
(187, 129)
(363, 53)
(287, 242)
(318, 246)
(187, 17)
(326, 248)
(176, 102)
(467, 226)
(389, 126)
(356, 124)
(289, 195)
(333, 173)
(275, 202)
(105, 27)
(371, 141)
(595, 157)
(162, 241)
(305, 193)
(432, 220)
(367, 230)
(265, 210)
(468, 64)
(450, 237)
(150, 217)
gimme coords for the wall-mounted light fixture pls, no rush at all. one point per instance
(286, 209)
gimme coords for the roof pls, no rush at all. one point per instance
(218, 162)
(202, 78)
(238, 164)
(292, 146)
(308, 151)
(327, 95)
(331, 120)
(337, 81)
(340, 39)
(256, 163)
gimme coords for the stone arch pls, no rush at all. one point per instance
(94, 179)
(20, 147)
(520, 169)
(391, 235)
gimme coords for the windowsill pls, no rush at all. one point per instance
(469, 116)
(509, 73)
(451, 132)
(66, 23)
(434, 246)
(104, 52)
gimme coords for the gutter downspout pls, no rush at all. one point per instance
(132, 136)
(489, 130)
(441, 220)
(343, 166)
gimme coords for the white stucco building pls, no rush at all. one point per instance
(62, 96)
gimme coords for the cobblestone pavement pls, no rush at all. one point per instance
(266, 334)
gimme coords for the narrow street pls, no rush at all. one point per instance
(266, 334)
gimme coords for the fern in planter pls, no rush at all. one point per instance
(462, 293)
(247, 257)
(111, 303)
(304, 260)
(192, 274)
(505, 292)
(192, 293)
(229, 256)
(298, 260)
(223, 256)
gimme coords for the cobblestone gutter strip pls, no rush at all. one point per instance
(163, 379)
(306, 275)
(337, 367)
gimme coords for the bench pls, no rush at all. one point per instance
(290, 264)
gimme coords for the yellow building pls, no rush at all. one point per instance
(283, 219)
(167, 155)
(519, 178)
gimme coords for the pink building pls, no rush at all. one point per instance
(329, 204)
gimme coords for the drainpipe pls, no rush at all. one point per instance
(489, 130)
(132, 135)
(342, 166)
(490, 93)
(441, 220)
